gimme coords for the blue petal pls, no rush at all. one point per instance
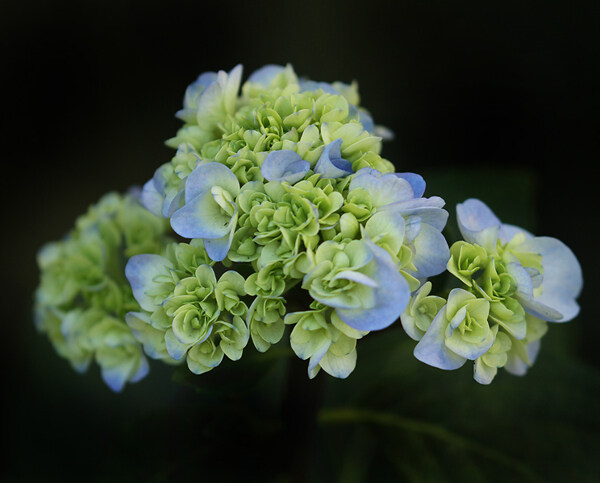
(284, 165)
(218, 248)
(385, 189)
(482, 373)
(355, 277)
(210, 103)
(309, 85)
(367, 172)
(141, 328)
(331, 164)
(416, 181)
(116, 377)
(152, 199)
(366, 120)
(477, 223)
(176, 349)
(141, 271)
(316, 358)
(392, 296)
(201, 217)
(432, 350)
(173, 203)
(208, 175)
(561, 283)
(266, 74)
(431, 215)
(409, 206)
(432, 252)
(205, 79)
(142, 371)
(521, 276)
(516, 366)
(161, 177)
(507, 232)
(471, 351)
(192, 93)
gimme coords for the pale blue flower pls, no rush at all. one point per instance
(459, 332)
(331, 164)
(422, 219)
(164, 193)
(210, 211)
(284, 165)
(361, 281)
(144, 272)
(265, 75)
(192, 95)
(547, 291)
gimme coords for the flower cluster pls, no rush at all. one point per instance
(287, 215)
(283, 182)
(83, 294)
(511, 284)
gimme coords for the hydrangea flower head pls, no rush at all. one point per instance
(284, 177)
(291, 226)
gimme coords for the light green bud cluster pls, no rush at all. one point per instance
(487, 276)
(188, 313)
(483, 320)
(322, 337)
(281, 114)
(83, 294)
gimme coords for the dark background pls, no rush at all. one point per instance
(496, 100)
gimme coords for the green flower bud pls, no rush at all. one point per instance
(233, 336)
(486, 366)
(359, 203)
(523, 352)
(349, 227)
(72, 342)
(325, 199)
(228, 291)
(355, 140)
(117, 352)
(243, 248)
(324, 338)
(466, 261)
(269, 281)
(200, 315)
(373, 160)
(189, 256)
(498, 286)
(421, 311)
(265, 321)
(69, 268)
(327, 281)
(487, 276)
(460, 331)
(204, 357)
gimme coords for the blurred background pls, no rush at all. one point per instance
(496, 100)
